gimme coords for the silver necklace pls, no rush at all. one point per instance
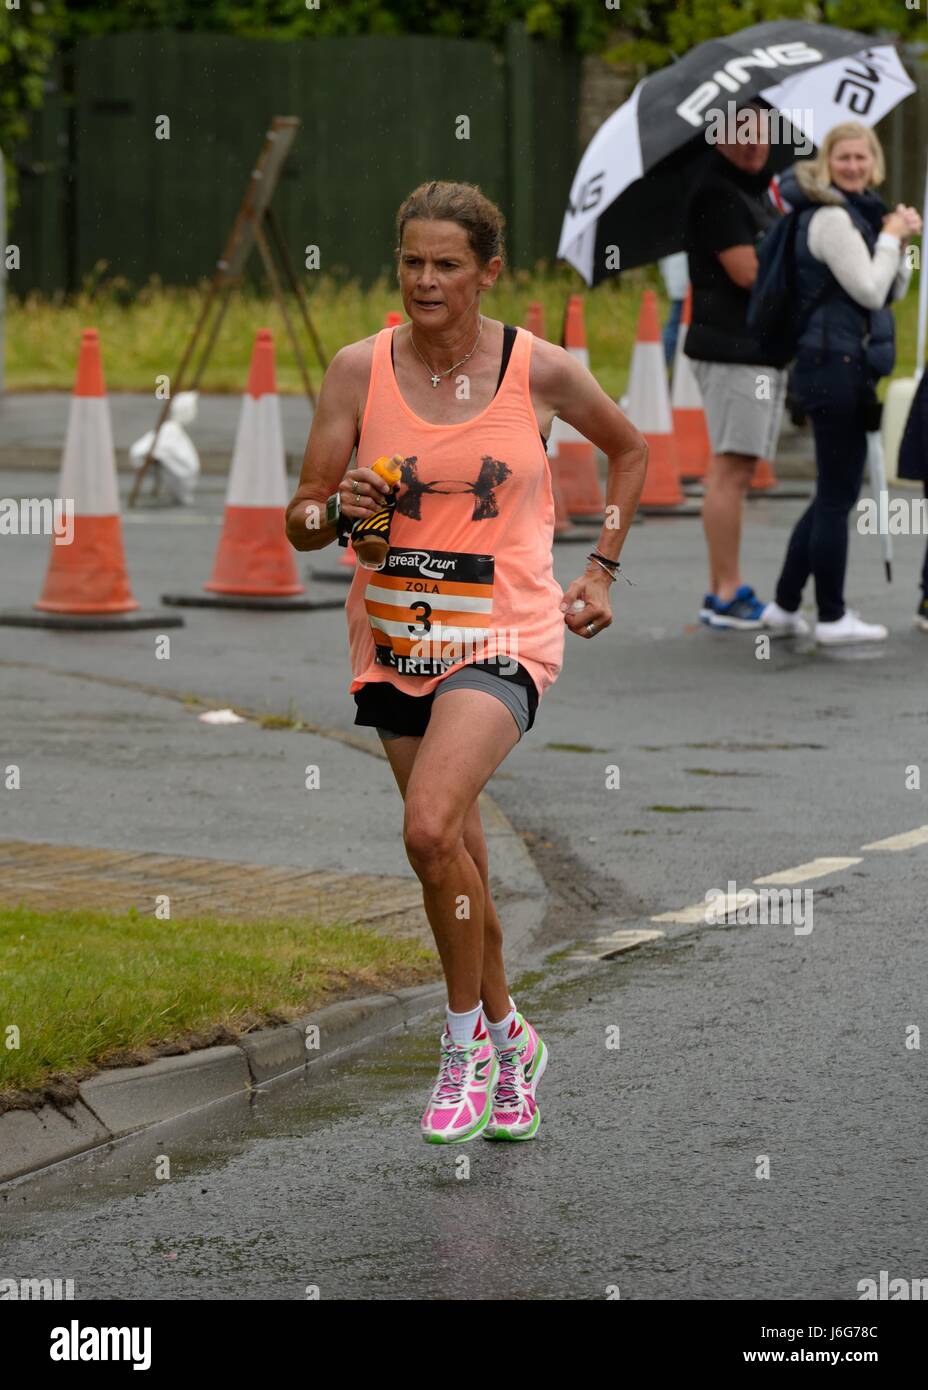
(437, 376)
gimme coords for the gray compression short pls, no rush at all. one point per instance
(513, 695)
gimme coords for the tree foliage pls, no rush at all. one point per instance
(31, 29)
(654, 32)
(645, 33)
(581, 24)
(27, 45)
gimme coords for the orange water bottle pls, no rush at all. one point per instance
(370, 535)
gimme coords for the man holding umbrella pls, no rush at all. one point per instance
(743, 393)
(627, 208)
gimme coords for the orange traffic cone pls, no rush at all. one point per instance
(535, 319)
(255, 565)
(86, 584)
(89, 576)
(573, 457)
(563, 526)
(349, 560)
(254, 557)
(690, 433)
(535, 323)
(764, 477)
(649, 409)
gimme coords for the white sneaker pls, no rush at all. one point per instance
(850, 628)
(781, 620)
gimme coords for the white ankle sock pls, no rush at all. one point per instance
(499, 1032)
(465, 1027)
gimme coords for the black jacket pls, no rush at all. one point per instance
(913, 451)
(838, 323)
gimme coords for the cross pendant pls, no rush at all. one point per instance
(436, 380)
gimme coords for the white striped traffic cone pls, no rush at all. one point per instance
(535, 319)
(763, 478)
(535, 323)
(573, 460)
(254, 557)
(690, 433)
(89, 575)
(392, 319)
(649, 409)
(349, 559)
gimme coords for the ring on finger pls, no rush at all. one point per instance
(591, 629)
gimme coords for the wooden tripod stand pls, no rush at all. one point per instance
(255, 222)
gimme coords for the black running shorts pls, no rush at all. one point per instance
(397, 715)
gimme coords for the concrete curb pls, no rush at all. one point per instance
(124, 1100)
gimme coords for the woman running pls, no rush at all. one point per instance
(466, 609)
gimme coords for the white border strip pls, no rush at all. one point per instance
(816, 868)
(909, 840)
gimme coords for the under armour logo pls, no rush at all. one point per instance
(492, 473)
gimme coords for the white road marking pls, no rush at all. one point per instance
(744, 897)
(605, 947)
(909, 840)
(155, 519)
(816, 868)
(802, 873)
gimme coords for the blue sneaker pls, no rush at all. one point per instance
(745, 611)
(708, 608)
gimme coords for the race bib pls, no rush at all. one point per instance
(429, 609)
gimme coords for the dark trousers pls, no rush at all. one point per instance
(832, 390)
(925, 564)
(671, 330)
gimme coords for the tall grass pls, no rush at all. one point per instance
(143, 333)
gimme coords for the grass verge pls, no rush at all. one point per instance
(84, 990)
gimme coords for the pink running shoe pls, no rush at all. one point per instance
(521, 1066)
(459, 1106)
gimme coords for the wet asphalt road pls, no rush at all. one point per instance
(737, 1043)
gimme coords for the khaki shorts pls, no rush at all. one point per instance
(739, 422)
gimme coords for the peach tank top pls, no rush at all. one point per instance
(469, 574)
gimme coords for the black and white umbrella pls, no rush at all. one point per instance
(628, 197)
